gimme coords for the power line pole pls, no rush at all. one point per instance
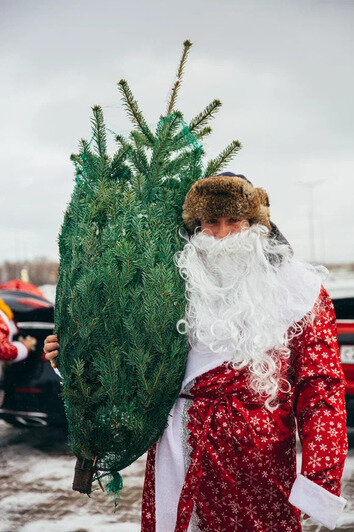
(311, 213)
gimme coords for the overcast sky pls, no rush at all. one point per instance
(282, 69)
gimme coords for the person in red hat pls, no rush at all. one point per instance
(263, 355)
(10, 350)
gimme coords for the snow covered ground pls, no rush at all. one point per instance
(36, 469)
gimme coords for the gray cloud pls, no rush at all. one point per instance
(283, 70)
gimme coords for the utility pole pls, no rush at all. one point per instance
(311, 213)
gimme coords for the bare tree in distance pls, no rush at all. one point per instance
(41, 270)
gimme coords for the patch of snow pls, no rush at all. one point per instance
(71, 523)
(54, 470)
(346, 518)
(22, 499)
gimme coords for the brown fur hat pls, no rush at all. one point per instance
(225, 195)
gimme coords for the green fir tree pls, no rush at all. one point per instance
(119, 293)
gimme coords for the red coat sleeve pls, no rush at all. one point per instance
(319, 399)
(8, 351)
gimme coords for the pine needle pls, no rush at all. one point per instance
(174, 91)
(223, 159)
(99, 131)
(204, 132)
(203, 118)
(133, 110)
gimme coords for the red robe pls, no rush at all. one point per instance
(10, 350)
(242, 466)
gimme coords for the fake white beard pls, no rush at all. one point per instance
(244, 292)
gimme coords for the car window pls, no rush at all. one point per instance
(344, 308)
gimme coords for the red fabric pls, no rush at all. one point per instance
(319, 400)
(148, 502)
(243, 459)
(8, 351)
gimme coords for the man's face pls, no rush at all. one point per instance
(223, 225)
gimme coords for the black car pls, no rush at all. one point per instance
(30, 389)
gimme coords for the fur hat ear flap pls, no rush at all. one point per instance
(261, 208)
(263, 196)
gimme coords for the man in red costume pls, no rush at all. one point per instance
(263, 349)
(12, 350)
(263, 353)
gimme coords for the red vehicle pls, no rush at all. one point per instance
(343, 300)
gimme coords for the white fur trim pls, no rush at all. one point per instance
(169, 461)
(22, 351)
(11, 325)
(316, 501)
(57, 372)
(304, 285)
(169, 470)
(200, 360)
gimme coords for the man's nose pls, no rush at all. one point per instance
(222, 231)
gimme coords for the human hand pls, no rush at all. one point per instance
(29, 342)
(51, 349)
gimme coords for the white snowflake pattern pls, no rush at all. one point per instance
(315, 460)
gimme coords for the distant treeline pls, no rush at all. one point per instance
(44, 271)
(40, 271)
(347, 267)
